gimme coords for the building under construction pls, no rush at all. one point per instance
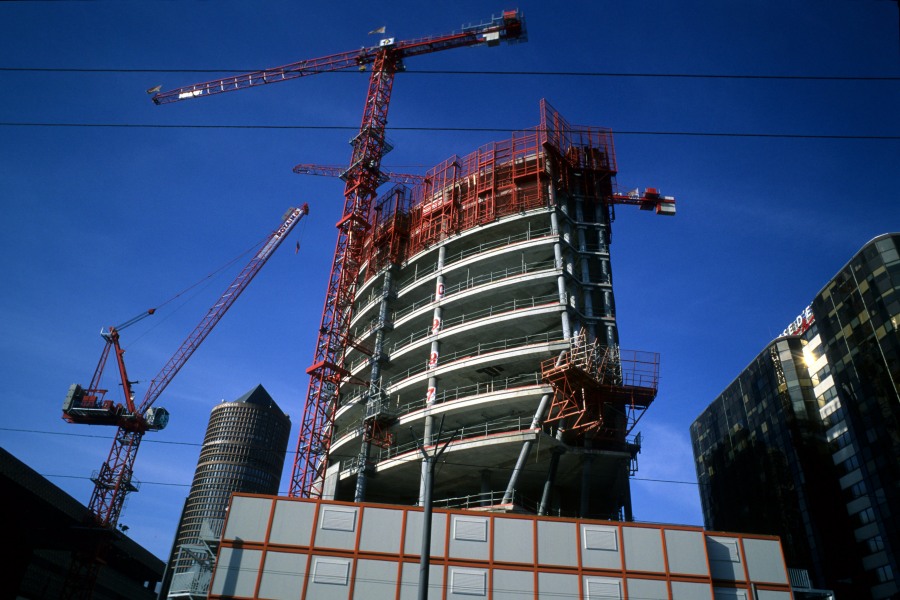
(484, 326)
(471, 313)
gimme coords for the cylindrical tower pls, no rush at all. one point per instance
(243, 451)
(493, 327)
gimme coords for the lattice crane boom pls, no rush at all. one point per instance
(89, 405)
(115, 479)
(218, 310)
(341, 173)
(509, 27)
(361, 178)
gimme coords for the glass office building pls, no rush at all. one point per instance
(805, 442)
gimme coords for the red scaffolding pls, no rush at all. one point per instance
(508, 177)
(600, 391)
(498, 179)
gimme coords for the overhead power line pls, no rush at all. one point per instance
(491, 73)
(199, 445)
(727, 134)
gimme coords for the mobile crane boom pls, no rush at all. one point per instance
(361, 178)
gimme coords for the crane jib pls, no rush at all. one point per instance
(509, 27)
(288, 224)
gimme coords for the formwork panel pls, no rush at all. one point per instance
(412, 543)
(725, 559)
(601, 547)
(512, 585)
(337, 527)
(648, 589)
(558, 585)
(764, 560)
(236, 572)
(469, 537)
(409, 584)
(329, 578)
(687, 590)
(520, 530)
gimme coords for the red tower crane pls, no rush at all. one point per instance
(362, 178)
(90, 405)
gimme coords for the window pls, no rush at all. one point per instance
(851, 464)
(826, 397)
(842, 440)
(875, 544)
(857, 489)
(821, 374)
(865, 516)
(331, 571)
(884, 574)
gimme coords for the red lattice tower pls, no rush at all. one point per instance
(362, 177)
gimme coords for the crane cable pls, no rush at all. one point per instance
(206, 280)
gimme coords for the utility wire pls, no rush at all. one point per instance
(491, 73)
(338, 456)
(722, 134)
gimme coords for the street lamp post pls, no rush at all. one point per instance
(430, 464)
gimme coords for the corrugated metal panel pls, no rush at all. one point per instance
(331, 570)
(601, 538)
(472, 530)
(602, 589)
(468, 582)
(339, 519)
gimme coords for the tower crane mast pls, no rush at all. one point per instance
(362, 178)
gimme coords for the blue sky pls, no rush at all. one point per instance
(103, 222)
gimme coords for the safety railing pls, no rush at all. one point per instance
(509, 240)
(509, 425)
(528, 380)
(491, 311)
(478, 350)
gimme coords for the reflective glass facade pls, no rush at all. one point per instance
(858, 313)
(805, 443)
